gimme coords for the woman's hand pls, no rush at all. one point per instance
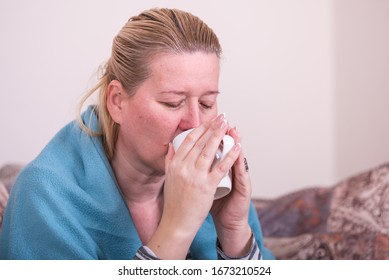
(190, 186)
(230, 213)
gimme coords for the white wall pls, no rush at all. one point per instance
(361, 85)
(283, 70)
(279, 74)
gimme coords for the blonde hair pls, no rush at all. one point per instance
(143, 37)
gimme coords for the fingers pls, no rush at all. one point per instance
(197, 151)
(201, 144)
(234, 133)
(222, 167)
(189, 141)
(204, 150)
(241, 176)
(241, 163)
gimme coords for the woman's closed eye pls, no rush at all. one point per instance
(206, 105)
(173, 105)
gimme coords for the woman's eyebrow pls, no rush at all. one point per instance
(179, 92)
(213, 92)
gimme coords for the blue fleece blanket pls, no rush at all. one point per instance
(66, 204)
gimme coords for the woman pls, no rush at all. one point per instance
(112, 187)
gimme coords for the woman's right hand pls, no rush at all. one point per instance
(190, 186)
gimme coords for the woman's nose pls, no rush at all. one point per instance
(191, 118)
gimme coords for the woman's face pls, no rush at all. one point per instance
(180, 94)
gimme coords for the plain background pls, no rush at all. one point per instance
(306, 82)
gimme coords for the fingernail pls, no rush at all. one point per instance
(237, 147)
(237, 131)
(222, 116)
(223, 124)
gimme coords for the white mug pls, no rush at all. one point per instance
(225, 146)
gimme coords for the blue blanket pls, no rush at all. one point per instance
(66, 204)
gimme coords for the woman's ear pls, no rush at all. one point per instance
(115, 98)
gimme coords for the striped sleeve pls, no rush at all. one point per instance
(253, 254)
(145, 253)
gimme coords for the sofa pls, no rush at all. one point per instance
(8, 174)
(349, 220)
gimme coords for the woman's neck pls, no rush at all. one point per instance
(138, 186)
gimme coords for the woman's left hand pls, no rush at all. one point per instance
(230, 213)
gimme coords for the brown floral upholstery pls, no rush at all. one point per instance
(347, 221)
(8, 174)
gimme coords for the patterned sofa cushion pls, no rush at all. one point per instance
(347, 221)
(8, 175)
